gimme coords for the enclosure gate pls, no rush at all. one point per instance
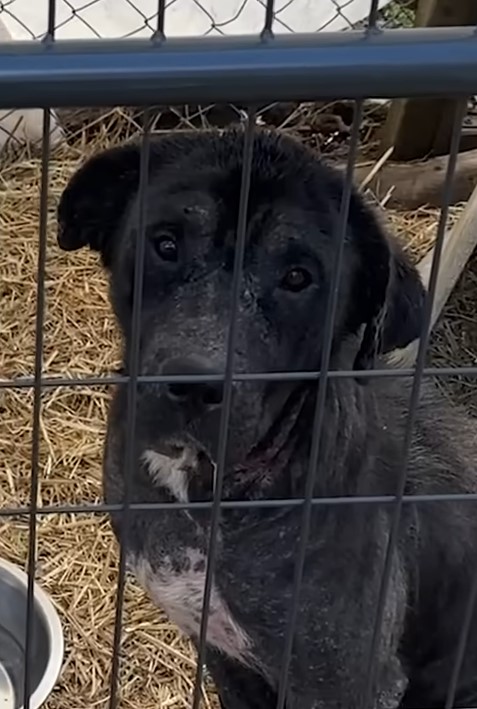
(249, 70)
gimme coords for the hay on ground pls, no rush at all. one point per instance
(77, 556)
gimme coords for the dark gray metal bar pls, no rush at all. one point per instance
(100, 508)
(37, 401)
(241, 236)
(110, 380)
(269, 16)
(354, 64)
(413, 405)
(373, 14)
(319, 414)
(161, 15)
(130, 448)
(38, 389)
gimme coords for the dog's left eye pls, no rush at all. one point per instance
(166, 247)
(296, 279)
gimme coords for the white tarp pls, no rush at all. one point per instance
(24, 125)
(77, 19)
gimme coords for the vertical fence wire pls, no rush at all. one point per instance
(339, 238)
(269, 16)
(161, 15)
(130, 447)
(413, 403)
(50, 32)
(37, 388)
(37, 401)
(240, 242)
(373, 14)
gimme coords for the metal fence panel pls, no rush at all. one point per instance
(430, 62)
(252, 70)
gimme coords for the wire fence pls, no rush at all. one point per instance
(96, 19)
(307, 503)
(139, 18)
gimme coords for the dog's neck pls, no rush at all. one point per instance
(279, 465)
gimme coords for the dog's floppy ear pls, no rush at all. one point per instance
(389, 293)
(95, 198)
(405, 303)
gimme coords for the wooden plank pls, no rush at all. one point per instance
(412, 185)
(420, 127)
(459, 244)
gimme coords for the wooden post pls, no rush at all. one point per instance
(459, 244)
(421, 127)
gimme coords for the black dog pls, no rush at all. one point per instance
(191, 216)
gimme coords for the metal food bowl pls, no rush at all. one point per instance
(47, 643)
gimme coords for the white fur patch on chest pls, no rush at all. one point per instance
(180, 595)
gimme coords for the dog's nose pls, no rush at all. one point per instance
(205, 393)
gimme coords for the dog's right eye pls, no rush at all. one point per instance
(166, 247)
(296, 280)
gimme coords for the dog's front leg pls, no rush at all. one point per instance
(239, 687)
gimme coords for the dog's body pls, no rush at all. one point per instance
(191, 209)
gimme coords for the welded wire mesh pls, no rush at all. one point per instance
(40, 384)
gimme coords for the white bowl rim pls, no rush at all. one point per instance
(55, 633)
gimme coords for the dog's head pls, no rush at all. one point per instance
(191, 211)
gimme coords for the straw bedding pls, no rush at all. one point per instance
(77, 556)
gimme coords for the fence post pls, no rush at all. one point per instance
(420, 127)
